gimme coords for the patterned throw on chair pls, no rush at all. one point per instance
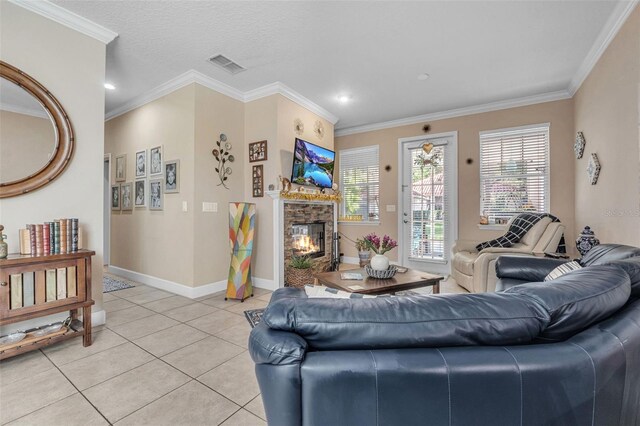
(241, 229)
(520, 225)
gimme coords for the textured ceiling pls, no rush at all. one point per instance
(475, 52)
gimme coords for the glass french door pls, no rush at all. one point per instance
(428, 222)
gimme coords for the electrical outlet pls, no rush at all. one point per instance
(185, 207)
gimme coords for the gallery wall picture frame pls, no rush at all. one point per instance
(115, 197)
(155, 194)
(140, 196)
(121, 168)
(258, 151)
(258, 181)
(126, 196)
(172, 177)
(141, 164)
(155, 161)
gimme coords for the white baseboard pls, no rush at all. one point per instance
(98, 318)
(264, 283)
(181, 289)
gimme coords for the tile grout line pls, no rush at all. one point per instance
(76, 388)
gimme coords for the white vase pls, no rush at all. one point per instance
(379, 262)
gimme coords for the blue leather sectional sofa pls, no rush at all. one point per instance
(565, 352)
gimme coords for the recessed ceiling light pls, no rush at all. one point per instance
(423, 76)
(109, 86)
(344, 98)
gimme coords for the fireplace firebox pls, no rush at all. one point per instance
(308, 239)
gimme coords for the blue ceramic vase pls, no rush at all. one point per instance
(586, 241)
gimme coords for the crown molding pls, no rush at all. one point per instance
(22, 110)
(286, 91)
(193, 76)
(611, 28)
(68, 19)
(458, 112)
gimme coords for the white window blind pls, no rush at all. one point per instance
(360, 184)
(514, 171)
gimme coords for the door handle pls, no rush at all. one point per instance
(405, 214)
(405, 221)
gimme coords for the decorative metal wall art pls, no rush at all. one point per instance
(224, 157)
(578, 146)
(593, 169)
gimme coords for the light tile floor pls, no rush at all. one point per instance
(161, 359)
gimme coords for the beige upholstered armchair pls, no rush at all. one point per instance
(476, 271)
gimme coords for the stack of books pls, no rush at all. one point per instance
(57, 237)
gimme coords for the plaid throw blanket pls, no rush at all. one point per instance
(519, 227)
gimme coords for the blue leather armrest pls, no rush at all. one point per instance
(268, 346)
(529, 269)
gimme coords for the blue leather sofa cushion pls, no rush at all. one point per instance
(603, 254)
(578, 299)
(631, 267)
(268, 346)
(411, 322)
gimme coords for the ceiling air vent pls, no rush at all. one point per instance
(226, 64)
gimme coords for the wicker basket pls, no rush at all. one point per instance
(299, 277)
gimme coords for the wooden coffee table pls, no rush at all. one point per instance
(400, 282)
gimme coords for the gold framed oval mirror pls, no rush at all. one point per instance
(32, 152)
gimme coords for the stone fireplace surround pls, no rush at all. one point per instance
(287, 212)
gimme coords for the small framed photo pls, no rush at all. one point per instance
(115, 197)
(155, 164)
(121, 168)
(141, 164)
(258, 181)
(140, 195)
(258, 151)
(126, 196)
(155, 194)
(171, 176)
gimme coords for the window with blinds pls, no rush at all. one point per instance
(360, 184)
(514, 171)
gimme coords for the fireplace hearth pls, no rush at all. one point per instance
(308, 239)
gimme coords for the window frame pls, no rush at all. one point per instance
(546, 175)
(341, 185)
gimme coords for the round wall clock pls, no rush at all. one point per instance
(319, 129)
(578, 146)
(298, 126)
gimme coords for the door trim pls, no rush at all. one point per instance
(454, 189)
(107, 255)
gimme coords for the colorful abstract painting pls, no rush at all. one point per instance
(241, 229)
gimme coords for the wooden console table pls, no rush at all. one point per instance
(37, 286)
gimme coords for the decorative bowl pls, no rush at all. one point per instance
(52, 328)
(12, 338)
(381, 275)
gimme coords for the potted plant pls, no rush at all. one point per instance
(364, 253)
(379, 246)
(299, 273)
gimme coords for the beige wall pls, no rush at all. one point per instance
(156, 243)
(261, 123)
(26, 143)
(559, 114)
(215, 114)
(606, 111)
(72, 67)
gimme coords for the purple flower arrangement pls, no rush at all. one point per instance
(378, 246)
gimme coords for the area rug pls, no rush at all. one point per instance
(254, 316)
(111, 284)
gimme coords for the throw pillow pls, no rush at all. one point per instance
(562, 269)
(320, 291)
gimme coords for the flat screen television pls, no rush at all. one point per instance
(312, 165)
